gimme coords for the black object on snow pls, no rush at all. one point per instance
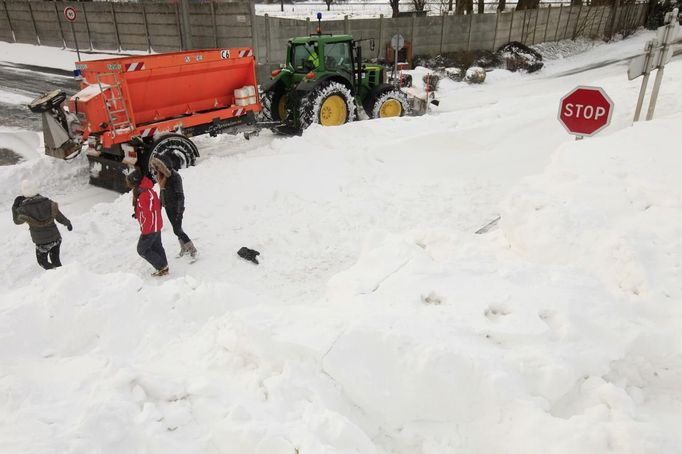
(516, 56)
(248, 254)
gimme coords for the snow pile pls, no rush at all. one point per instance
(7, 97)
(378, 322)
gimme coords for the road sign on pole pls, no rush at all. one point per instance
(585, 111)
(397, 41)
(70, 15)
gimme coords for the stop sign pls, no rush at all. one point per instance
(585, 111)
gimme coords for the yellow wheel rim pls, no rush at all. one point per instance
(282, 107)
(390, 108)
(333, 111)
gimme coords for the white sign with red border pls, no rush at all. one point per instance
(70, 13)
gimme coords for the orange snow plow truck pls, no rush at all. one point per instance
(131, 109)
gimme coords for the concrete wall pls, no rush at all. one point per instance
(127, 26)
(433, 35)
(160, 27)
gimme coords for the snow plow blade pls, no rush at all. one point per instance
(108, 174)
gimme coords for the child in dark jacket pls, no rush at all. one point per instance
(40, 213)
(173, 200)
(148, 215)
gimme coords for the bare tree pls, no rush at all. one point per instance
(481, 6)
(395, 6)
(462, 6)
(329, 4)
(419, 5)
(502, 5)
(527, 4)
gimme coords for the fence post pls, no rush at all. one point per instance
(558, 21)
(33, 21)
(568, 21)
(215, 26)
(381, 35)
(307, 25)
(254, 31)
(346, 25)
(549, 16)
(146, 29)
(577, 22)
(442, 31)
(511, 25)
(87, 25)
(497, 23)
(535, 27)
(267, 38)
(414, 20)
(177, 24)
(118, 37)
(471, 21)
(523, 27)
(9, 21)
(186, 23)
(59, 22)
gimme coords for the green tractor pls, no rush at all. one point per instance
(324, 81)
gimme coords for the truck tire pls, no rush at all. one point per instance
(47, 101)
(387, 103)
(330, 104)
(273, 104)
(175, 150)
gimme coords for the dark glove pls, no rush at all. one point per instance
(133, 216)
(18, 201)
(248, 254)
(69, 227)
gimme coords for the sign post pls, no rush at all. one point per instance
(585, 111)
(70, 15)
(397, 43)
(658, 52)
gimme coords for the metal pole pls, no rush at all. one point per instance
(442, 31)
(215, 25)
(177, 23)
(654, 93)
(381, 35)
(549, 16)
(33, 20)
(645, 81)
(523, 27)
(558, 22)
(471, 22)
(497, 23)
(577, 22)
(254, 31)
(59, 22)
(113, 15)
(146, 29)
(87, 25)
(535, 27)
(267, 38)
(75, 40)
(601, 20)
(570, 13)
(412, 40)
(9, 21)
(511, 26)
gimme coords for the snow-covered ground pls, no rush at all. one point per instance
(377, 321)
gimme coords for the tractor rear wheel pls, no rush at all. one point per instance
(388, 103)
(330, 104)
(175, 150)
(274, 104)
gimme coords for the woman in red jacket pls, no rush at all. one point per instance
(148, 214)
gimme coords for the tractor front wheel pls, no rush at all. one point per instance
(388, 103)
(330, 104)
(175, 150)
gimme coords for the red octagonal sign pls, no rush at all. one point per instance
(585, 111)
